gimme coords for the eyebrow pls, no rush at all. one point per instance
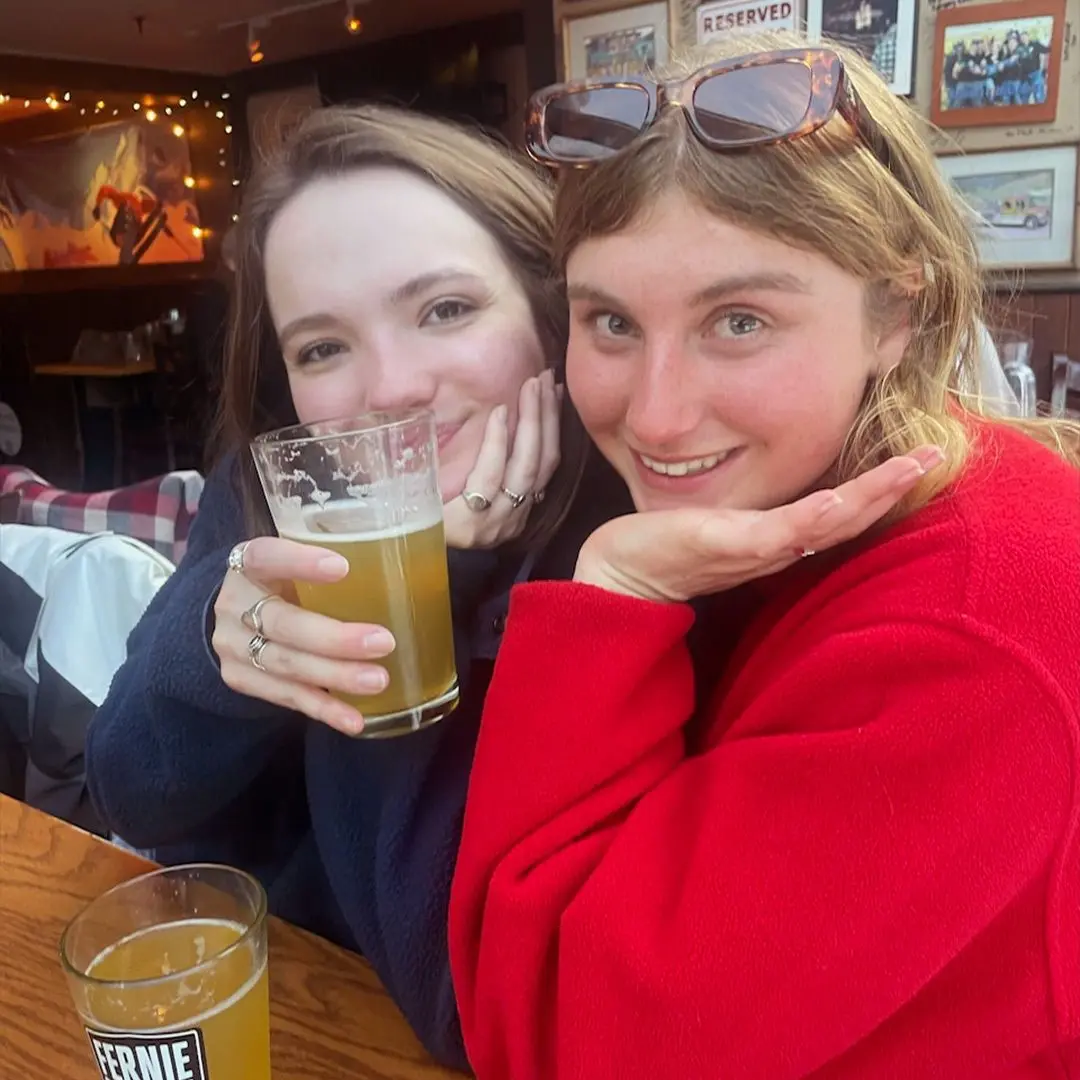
(422, 282)
(321, 321)
(741, 283)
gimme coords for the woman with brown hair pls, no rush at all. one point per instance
(383, 261)
(828, 828)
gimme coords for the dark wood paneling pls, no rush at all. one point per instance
(1051, 320)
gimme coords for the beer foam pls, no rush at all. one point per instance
(202, 1017)
(307, 529)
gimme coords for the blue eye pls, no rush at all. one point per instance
(738, 324)
(612, 325)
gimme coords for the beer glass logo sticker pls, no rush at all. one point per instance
(178, 1055)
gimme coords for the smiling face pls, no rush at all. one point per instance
(387, 295)
(715, 366)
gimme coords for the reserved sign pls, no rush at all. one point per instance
(735, 16)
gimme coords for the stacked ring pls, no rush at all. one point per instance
(255, 650)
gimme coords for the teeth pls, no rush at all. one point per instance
(682, 468)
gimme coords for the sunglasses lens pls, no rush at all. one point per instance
(584, 125)
(752, 104)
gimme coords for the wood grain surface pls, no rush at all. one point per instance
(330, 1017)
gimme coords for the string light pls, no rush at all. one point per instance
(189, 181)
(150, 115)
(136, 105)
(178, 130)
(352, 23)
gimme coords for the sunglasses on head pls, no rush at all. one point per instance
(735, 104)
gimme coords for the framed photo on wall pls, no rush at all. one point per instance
(629, 41)
(1023, 203)
(882, 30)
(998, 64)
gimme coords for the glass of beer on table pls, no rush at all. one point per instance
(367, 488)
(168, 973)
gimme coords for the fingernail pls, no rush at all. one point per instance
(379, 643)
(333, 563)
(830, 503)
(350, 721)
(929, 457)
(370, 680)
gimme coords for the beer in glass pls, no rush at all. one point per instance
(367, 488)
(168, 973)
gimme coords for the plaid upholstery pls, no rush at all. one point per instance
(159, 512)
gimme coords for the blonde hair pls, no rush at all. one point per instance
(904, 232)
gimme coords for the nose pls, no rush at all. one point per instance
(400, 381)
(664, 407)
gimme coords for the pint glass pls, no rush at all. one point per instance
(367, 487)
(168, 973)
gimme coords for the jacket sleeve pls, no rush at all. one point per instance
(171, 745)
(623, 909)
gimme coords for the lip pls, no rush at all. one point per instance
(686, 485)
(445, 432)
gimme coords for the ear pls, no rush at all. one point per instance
(891, 341)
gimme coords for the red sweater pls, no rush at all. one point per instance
(864, 865)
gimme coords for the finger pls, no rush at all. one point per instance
(315, 703)
(827, 518)
(524, 464)
(272, 558)
(310, 669)
(487, 473)
(549, 427)
(311, 632)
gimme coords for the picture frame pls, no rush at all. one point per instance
(1024, 203)
(885, 32)
(623, 41)
(997, 64)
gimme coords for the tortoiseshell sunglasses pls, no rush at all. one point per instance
(735, 104)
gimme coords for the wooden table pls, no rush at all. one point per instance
(330, 1017)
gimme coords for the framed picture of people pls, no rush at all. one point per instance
(627, 41)
(882, 30)
(998, 64)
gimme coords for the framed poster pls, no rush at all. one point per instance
(629, 41)
(997, 64)
(721, 18)
(1023, 203)
(113, 195)
(882, 30)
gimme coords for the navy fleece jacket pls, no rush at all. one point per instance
(354, 839)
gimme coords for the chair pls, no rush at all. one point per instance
(159, 512)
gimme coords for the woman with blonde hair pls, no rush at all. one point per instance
(740, 810)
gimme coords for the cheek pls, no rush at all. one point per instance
(327, 396)
(600, 387)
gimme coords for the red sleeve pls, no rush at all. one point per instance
(621, 909)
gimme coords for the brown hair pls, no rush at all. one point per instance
(501, 192)
(903, 232)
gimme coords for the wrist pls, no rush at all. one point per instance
(595, 571)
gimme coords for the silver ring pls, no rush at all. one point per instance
(476, 501)
(236, 557)
(255, 650)
(538, 496)
(806, 552)
(252, 618)
(516, 500)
